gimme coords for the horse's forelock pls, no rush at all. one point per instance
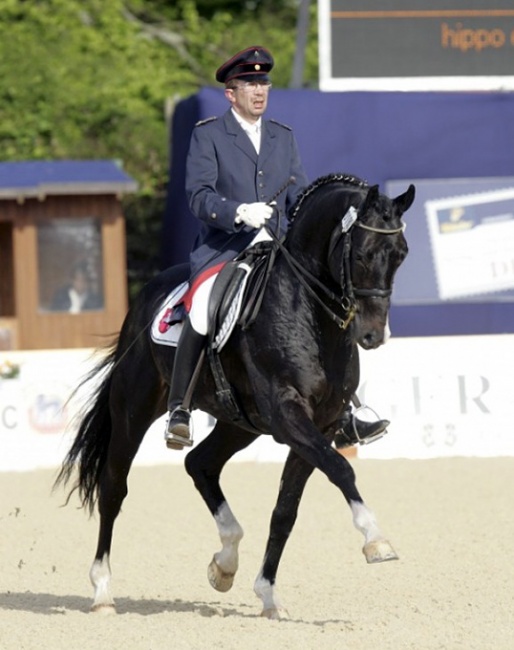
(379, 208)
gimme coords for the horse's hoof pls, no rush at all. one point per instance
(218, 579)
(175, 446)
(103, 610)
(379, 551)
(275, 614)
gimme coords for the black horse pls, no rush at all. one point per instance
(291, 372)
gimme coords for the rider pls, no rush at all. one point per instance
(236, 165)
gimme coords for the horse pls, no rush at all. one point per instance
(292, 371)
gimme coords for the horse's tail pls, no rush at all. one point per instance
(88, 452)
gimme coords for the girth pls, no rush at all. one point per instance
(259, 259)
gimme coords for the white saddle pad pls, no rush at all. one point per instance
(161, 331)
(164, 333)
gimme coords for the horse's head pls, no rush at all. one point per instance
(349, 237)
(369, 251)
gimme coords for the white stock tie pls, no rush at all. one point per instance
(254, 133)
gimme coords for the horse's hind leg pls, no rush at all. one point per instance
(204, 465)
(294, 478)
(131, 416)
(112, 491)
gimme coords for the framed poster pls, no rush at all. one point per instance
(460, 234)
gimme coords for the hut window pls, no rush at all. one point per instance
(7, 306)
(70, 265)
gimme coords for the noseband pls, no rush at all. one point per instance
(350, 292)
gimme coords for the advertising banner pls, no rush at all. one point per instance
(444, 396)
(416, 44)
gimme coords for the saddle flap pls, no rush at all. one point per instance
(225, 303)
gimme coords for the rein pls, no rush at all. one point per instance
(347, 302)
(301, 273)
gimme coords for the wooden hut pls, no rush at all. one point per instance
(63, 265)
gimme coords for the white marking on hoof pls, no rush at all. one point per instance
(218, 579)
(379, 551)
(272, 608)
(100, 576)
(364, 521)
(377, 548)
(274, 614)
(104, 610)
(224, 564)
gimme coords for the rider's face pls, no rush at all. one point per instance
(249, 100)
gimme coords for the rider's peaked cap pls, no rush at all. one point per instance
(251, 64)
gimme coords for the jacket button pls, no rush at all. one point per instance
(260, 172)
(213, 215)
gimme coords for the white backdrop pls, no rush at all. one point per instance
(445, 396)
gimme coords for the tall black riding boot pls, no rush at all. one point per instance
(350, 430)
(187, 357)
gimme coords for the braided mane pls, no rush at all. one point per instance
(346, 179)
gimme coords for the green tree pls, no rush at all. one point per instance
(94, 79)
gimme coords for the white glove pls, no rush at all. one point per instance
(254, 215)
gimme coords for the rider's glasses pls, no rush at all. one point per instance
(251, 86)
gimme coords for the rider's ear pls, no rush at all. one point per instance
(405, 200)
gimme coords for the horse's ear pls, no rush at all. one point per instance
(405, 200)
(371, 198)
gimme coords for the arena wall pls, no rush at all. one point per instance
(445, 396)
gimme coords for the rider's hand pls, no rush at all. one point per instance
(254, 215)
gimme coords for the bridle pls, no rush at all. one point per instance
(351, 292)
(348, 300)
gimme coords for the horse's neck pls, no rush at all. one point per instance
(309, 236)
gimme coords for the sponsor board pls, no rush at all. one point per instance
(445, 396)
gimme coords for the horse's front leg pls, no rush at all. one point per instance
(204, 464)
(298, 431)
(294, 478)
(376, 547)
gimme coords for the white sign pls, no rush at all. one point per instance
(472, 239)
(445, 396)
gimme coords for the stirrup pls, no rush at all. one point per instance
(178, 429)
(341, 433)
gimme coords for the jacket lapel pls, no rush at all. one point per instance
(241, 139)
(268, 141)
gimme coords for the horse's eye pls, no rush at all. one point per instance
(364, 257)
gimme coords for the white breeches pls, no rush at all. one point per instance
(199, 313)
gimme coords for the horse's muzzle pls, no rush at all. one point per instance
(371, 335)
(372, 332)
(371, 340)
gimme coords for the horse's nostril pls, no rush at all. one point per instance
(371, 340)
